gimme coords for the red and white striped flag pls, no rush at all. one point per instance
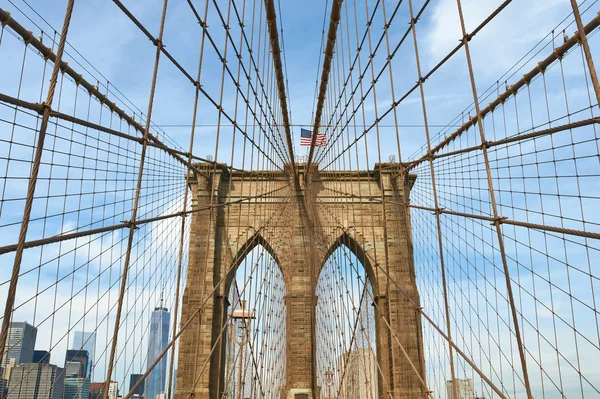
(306, 138)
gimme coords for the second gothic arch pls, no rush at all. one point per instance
(346, 239)
(257, 239)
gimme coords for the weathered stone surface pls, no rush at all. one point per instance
(300, 228)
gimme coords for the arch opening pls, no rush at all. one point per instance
(255, 343)
(346, 352)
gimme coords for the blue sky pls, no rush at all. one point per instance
(116, 48)
(120, 59)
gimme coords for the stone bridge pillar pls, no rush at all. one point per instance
(398, 295)
(202, 280)
(300, 238)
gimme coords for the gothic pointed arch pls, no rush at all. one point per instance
(346, 329)
(257, 239)
(347, 239)
(254, 351)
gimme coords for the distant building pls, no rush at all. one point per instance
(3, 388)
(133, 379)
(360, 376)
(41, 357)
(77, 388)
(86, 341)
(157, 342)
(20, 344)
(7, 369)
(76, 363)
(97, 390)
(113, 390)
(174, 383)
(464, 389)
(73, 369)
(36, 381)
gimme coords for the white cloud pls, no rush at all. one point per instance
(504, 40)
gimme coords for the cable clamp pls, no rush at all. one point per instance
(499, 220)
(130, 223)
(92, 89)
(29, 39)
(541, 68)
(7, 19)
(439, 210)
(43, 107)
(558, 55)
(78, 79)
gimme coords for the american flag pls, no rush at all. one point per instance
(306, 138)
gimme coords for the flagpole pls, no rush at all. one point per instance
(304, 153)
(301, 127)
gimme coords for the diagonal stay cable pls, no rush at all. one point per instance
(334, 20)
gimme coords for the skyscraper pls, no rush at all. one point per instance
(464, 389)
(77, 388)
(41, 357)
(133, 379)
(76, 363)
(359, 368)
(86, 341)
(36, 381)
(174, 383)
(157, 341)
(20, 343)
(97, 390)
(7, 369)
(3, 388)
(77, 383)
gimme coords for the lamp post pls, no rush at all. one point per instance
(329, 381)
(241, 319)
